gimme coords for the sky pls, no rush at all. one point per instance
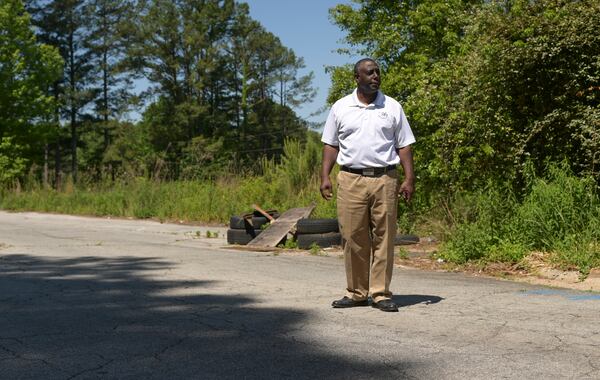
(304, 27)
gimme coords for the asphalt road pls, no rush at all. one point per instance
(84, 298)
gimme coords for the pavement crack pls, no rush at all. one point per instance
(594, 371)
(497, 331)
(91, 369)
(16, 355)
(59, 237)
(168, 347)
(532, 351)
(400, 374)
(9, 351)
(12, 339)
(20, 339)
(212, 327)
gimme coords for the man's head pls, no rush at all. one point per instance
(367, 76)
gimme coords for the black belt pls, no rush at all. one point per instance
(369, 172)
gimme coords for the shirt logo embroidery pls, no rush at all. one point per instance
(383, 115)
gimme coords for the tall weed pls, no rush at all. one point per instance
(482, 227)
(293, 182)
(561, 205)
(559, 214)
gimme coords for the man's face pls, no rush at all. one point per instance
(368, 77)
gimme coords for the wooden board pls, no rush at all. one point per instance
(280, 227)
(253, 249)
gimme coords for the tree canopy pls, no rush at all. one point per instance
(490, 87)
(217, 81)
(27, 70)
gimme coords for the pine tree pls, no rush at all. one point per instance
(63, 24)
(107, 43)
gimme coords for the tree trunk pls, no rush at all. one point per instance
(244, 102)
(105, 98)
(73, 145)
(57, 166)
(73, 109)
(45, 175)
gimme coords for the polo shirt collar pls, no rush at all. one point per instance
(378, 102)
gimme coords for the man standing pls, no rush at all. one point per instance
(368, 135)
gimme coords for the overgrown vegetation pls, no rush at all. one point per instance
(504, 98)
(487, 85)
(207, 201)
(559, 215)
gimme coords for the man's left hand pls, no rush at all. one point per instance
(406, 190)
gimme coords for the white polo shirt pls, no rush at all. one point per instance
(367, 135)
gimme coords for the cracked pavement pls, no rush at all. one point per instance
(86, 298)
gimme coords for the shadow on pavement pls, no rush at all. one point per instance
(94, 317)
(403, 300)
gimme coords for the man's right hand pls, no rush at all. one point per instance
(326, 188)
(330, 153)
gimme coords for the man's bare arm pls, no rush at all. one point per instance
(330, 154)
(407, 188)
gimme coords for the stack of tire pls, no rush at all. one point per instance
(326, 233)
(321, 232)
(244, 228)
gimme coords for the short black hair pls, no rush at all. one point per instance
(360, 61)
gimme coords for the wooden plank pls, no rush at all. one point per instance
(254, 249)
(266, 214)
(280, 227)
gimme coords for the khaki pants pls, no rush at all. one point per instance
(367, 209)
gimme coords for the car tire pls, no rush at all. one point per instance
(305, 241)
(241, 237)
(406, 239)
(317, 226)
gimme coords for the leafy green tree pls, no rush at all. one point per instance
(27, 70)
(342, 82)
(63, 24)
(293, 90)
(488, 86)
(177, 49)
(521, 89)
(216, 77)
(202, 158)
(246, 35)
(218, 80)
(405, 37)
(130, 153)
(264, 84)
(13, 161)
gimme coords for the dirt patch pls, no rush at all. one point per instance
(535, 269)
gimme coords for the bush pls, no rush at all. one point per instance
(12, 162)
(559, 214)
(560, 206)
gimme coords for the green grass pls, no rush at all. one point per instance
(559, 215)
(315, 250)
(189, 200)
(402, 253)
(293, 182)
